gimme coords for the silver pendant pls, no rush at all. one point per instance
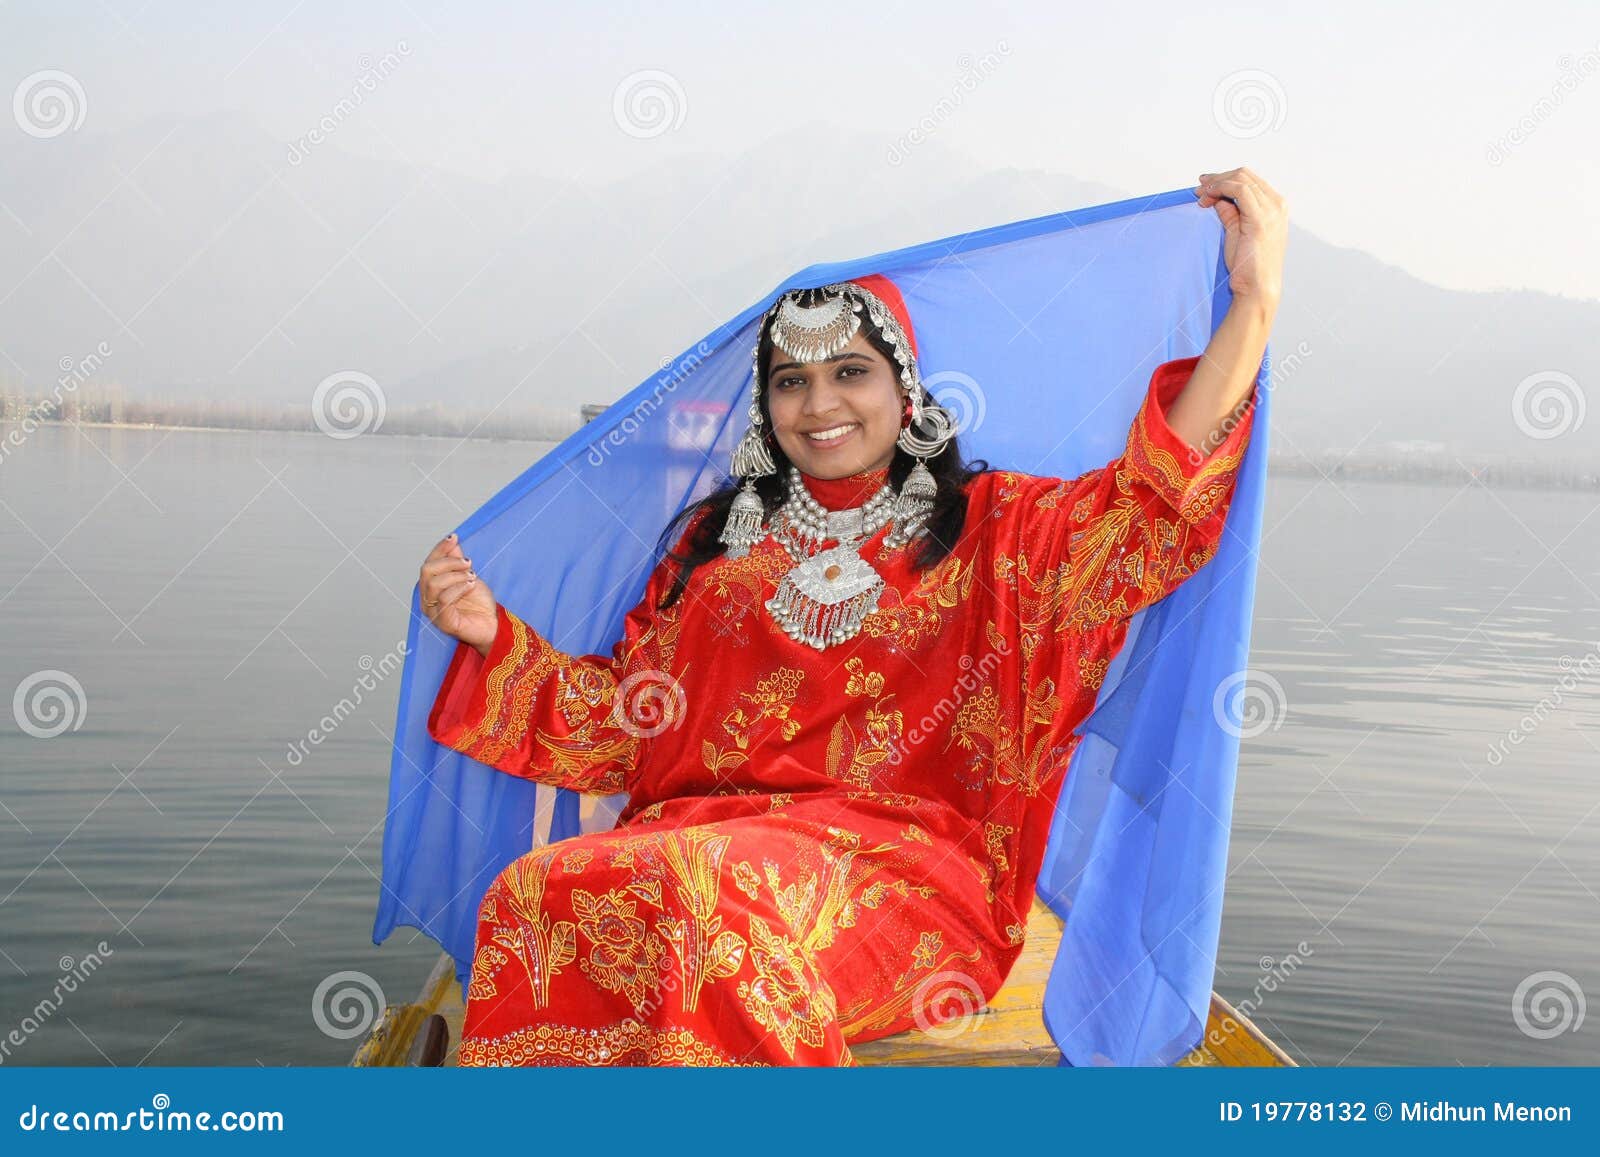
(825, 599)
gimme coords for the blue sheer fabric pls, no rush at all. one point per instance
(1042, 334)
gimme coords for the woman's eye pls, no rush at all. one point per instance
(854, 370)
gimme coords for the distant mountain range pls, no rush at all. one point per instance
(242, 276)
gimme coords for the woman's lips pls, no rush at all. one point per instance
(830, 443)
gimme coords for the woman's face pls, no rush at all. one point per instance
(854, 397)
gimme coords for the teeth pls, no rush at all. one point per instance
(830, 435)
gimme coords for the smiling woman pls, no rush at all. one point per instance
(799, 867)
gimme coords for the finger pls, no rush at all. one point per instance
(1264, 190)
(1243, 195)
(438, 575)
(444, 546)
(1213, 187)
(443, 594)
(455, 592)
(442, 566)
(1241, 174)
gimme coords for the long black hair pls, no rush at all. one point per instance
(951, 473)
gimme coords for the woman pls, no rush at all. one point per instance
(844, 707)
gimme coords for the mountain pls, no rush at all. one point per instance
(217, 261)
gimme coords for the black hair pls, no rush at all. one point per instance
(950, 471)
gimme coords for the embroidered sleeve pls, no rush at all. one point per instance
(1116, 539)
(573, 721)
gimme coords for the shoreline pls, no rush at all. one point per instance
(6, 423)
(1398, 470)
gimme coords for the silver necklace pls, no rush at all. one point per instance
(828, 593)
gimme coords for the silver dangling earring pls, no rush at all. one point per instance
(917, 493)
(747, 517)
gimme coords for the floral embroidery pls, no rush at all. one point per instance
(771, 700)
(623, 957)
(782, 997)
(746, 878)
(481, 986)
(852, 756)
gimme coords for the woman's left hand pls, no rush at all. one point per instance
(1255, 219)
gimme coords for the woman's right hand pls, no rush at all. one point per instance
(455, 599)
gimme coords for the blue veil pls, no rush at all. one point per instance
(1046, 332)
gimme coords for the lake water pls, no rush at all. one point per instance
(1392, 882)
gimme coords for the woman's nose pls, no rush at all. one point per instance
(821, 398)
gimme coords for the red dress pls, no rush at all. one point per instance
(818, 847)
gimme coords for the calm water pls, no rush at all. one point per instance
(215, 594)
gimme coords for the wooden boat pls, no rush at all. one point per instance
(1010, 1031)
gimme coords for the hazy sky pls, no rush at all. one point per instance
(1377, 124)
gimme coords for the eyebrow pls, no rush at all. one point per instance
(835, 358)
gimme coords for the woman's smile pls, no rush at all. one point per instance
(832, 436)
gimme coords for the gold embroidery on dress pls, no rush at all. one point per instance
(877, 1011)
(623, 955)
(628, 1043)
(1199, 495)
(746, 878)
(771, 699)
(542, 945)
(853, 757)
(782, 998)
(994, 838)
(913, 620)
(1001, 754)
(706, 950)
(527, 662)
(485, 964)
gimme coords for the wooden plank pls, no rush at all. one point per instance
(1012, 1032)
